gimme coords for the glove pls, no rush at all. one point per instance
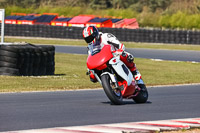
(124, 54)
(130, 58)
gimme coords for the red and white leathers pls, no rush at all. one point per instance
(119, 49)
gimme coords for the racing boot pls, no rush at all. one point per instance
(137, 76)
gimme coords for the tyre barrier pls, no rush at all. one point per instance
(27, 60)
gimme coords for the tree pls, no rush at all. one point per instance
(100, 4)
(122, 4)
(21, 3)
(155, 4)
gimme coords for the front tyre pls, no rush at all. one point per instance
(143, 94)
(112, 93)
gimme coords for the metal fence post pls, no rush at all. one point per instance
(2, 16)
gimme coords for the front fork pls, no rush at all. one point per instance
(112, 76)
(113, 80)
(115, 83)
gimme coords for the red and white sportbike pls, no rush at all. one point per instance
(116, 79)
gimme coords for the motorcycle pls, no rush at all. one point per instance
(105, 67)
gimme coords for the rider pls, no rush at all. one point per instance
(93, 36)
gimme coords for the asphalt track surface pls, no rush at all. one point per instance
(20, 111)
(71, 108)
(174, 55)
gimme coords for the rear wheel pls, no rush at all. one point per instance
(114, 94)
(143, 94)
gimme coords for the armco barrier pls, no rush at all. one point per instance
(135, 35)
(27, 60)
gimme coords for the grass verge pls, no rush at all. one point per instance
(70, 74)
(82, 43)
(195, 130)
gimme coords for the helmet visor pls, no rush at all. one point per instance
(89, 39)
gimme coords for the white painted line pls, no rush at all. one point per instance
(174, 60)
(173, 85)
(100, 129)
(157, 60)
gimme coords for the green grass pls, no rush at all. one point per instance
(163, 46)
(82, 43)
(46, 41)
(168, 72)
(70, 74)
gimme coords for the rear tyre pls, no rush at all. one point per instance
(143, 94)
(112, 93)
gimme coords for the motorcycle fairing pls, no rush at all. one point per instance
(121, 69)
(128, 90)
(99, 59)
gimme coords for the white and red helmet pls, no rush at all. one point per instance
(91, 34)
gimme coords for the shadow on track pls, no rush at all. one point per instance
(126, 103)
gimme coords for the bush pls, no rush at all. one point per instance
(148, 19)
(17, 9)
(164, 21)
(180, 20)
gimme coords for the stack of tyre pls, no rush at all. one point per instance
(27, 60)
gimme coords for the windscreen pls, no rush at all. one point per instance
(94, 47)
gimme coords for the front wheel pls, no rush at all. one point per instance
(143, 94)
(112, 93)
